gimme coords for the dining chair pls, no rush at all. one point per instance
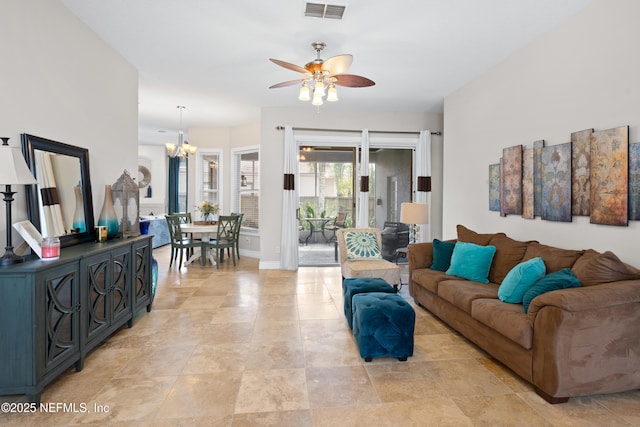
(178, 240)
(224, 238)
(237, 233)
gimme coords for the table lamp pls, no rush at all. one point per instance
(412, 214)
(13, 171)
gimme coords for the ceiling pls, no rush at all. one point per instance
(212, 56)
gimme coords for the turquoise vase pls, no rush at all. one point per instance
(78, 216)
(108, 217)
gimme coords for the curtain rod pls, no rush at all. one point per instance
(354, 130)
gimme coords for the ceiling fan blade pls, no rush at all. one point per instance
(287, 83)
(289, 66)
(351, 80)
(337, 64)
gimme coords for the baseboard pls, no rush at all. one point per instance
(250, 254)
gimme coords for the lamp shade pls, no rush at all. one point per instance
(414, 213)
(13, 167)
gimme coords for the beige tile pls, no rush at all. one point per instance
(275, 355)
(502, 410)
(423, 413)
(156, 361)
(340, 386)
(272, 390)
(212, 358)
(300, 418)
(585, 411)
(406, 381)
(201, 396)
(467, 378)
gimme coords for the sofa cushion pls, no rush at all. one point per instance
(509, 253)
(562, 279)
(507, 319)
(593, 268)
(429, 279)
(442, 252)
(471, 261)
(520, 279)
(362, 245)
(462, 293)
(466, 235)
(555, 259)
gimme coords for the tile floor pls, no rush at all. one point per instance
(243, 347)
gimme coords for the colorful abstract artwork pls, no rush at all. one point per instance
(511, 181)
(537, 177)
(494, 187)
(556, 182)
(634, 181)
(580, 183)
(527, 183)
(609, 176)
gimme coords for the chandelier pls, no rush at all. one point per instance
(183, 148)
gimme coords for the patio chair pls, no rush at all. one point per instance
(178, 240)
(333, 226)
(367, 261)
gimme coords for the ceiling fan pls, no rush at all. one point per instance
(320, 75)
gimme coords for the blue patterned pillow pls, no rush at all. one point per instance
(362, 245)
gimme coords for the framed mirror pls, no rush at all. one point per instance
(61, 204)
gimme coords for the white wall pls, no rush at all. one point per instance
(583, 74)
(61, 82)
(271, 158)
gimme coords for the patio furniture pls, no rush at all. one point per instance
(337, 223)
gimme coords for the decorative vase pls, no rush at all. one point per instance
(79, 224)
(108, 217)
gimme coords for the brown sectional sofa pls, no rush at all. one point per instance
(572, 342)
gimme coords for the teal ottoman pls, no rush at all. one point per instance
(359, 285)
(383, 325)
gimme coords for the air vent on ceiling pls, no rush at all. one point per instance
(323, 10)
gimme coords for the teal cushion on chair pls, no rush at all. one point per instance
(442, 252)
(519, 279)
(471, 261)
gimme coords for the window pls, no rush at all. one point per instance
(246, 192)
(209, 172)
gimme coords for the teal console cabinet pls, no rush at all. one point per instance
(52, 313)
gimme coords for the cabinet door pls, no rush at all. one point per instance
(120, 300)
(95, 272)
(142, 275)
(60, 335)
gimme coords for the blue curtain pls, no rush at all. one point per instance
(174, 185)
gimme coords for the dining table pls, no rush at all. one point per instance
(204, 231)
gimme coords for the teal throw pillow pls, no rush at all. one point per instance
(519, 279)
(562, 279)
(442, 252)
(471, 261)
(362, 245)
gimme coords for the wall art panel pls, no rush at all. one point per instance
(494, 187)
(511, 181)
(580, 183)
(527, 183)
(537, 177)
(609, 176)
(634, 181)
(556, 182)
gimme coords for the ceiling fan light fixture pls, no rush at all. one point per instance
(304, 92)
(319, 89)
(332, 94)
(317, 100)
